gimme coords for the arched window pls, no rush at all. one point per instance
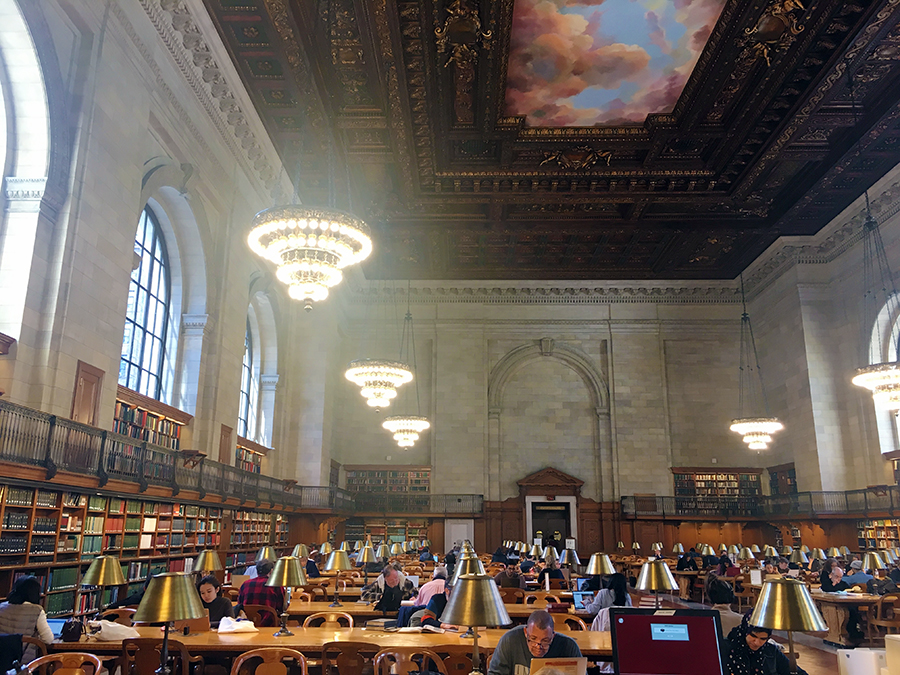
(146, 321)
(249, 390)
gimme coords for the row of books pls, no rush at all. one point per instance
(13, 544)
(43, 546)
(19, 496)
(60, 603)
(15, 520)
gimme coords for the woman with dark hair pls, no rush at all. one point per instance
(500, 556)
(218, 607)
(22, 614)
(727, 568)
(749, 652)
(615, 594)
(551, 569)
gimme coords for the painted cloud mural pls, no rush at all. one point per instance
(600, 62)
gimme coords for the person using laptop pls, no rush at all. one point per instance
(22, 614)
(217, 606)
(536, 639)
(751, 653)
(615, 593)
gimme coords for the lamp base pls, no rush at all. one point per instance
(283, 631)
(468, 634)
(336, 603)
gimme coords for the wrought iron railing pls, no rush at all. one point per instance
(387, 502)
(35, 438)
(869, 501)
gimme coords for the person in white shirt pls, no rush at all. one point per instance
(615, 593)
(22, 614)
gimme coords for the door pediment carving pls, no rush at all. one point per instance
(549, 481)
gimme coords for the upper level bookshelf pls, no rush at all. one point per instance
(146, 419)
(388, 478)
(703, 489)
(782, 479)
(249, 455)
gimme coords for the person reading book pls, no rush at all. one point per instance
(536, 639)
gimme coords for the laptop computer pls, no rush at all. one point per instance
(56, 625)
(674, 642)
(581, 582)
(580, 597)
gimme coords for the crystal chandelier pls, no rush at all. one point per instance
(406, 428)
(378, 379)
(309, 246)
(756, 430)
(881, 309)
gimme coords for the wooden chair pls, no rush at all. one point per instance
(355, 575)
(746, 593)
(272, 661)
(39, 645)
(567, 622)
(328, 620)
(530, 599)
(68, 663)
(259, 614)
(402, 661)
(551, 598)
(558, 584)
(347, 658)
(512, 595)
(231, 593)
(140, 656)
(302, 597)
(317, 592)
(122, 615)
(883, 615)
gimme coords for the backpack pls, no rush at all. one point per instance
(882, 586)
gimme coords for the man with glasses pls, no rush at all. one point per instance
(536, 639)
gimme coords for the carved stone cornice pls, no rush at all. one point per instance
(196, 325)
(18, 188)
(5, 343)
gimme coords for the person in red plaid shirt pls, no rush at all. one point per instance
(255, 592)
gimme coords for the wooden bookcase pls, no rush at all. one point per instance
(388, 478)
(54, 533)
(782, 479)
(878, 534)
(716, 490)
(138, 416)
(249, 455)
(389, 531)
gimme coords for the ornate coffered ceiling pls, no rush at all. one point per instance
(790, 112)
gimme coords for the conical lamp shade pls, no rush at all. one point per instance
(785, 604)
(656, 547)
(357, 545)
(845, 551)
(326, 548)
(678, 548)
(569, 557)
(207, 561)
(550, 554)
(287, 573)
(745, 554)
(338, 561)
(754, 549)
(383, 551)
(872, 561)
(804, 548)
(300, 551)
(600, 564)
(475, 601)
(266, 553)
(466, 566)
(708, 550)
(396, 549)
(367, 555)
(170, 597)
(818, 554)
(798, 557)
(536, 551)
(723, 548)
(770, 552)
(620, 545)
(635, 546)
(656, 576)
(786, 550)
(833, 552)
(733, 550)
(345, 546)
(105, 570)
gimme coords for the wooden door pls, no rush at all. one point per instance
(86, 398)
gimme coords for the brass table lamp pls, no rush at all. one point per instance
(207, 561)
(635, 547)
(338, 561)
(744, 555)
(621, 545)
(786, 550)
(366, 556)
(770, 552)
(469, 565)
(396, 549)
(798, 557)
(326, 548)
(569, 557)
(834, 552)
(817, 554)
(345, 546)
(754, 549)
(678, 548)
(169, 597)
(104, 570)
(707, 550)
(536, 551)
(872, 561)
(656, 576)
(600, 564)
(845, 551)
(475, 601)
(805, 548)
(300, 551)
(266, 553)
(288, 574)
(550, 555)
(785, 604)
(384, 551)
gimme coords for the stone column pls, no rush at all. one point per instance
(268, 384)
(492, 484)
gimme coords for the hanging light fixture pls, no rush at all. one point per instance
(757, 428)
(406, 428)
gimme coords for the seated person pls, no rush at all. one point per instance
(615, 594)
(895, 574)
(510, 577)
(218, 607)
(769, 567)
(134, 599)
(727, 568)
(527, 564)
(687, 563)
(721, 595)
(594, 583)
(499, 556)
(748, 650)
(310, 567)
(255, 592)
(835, 581)
(431, 615)
(22, 614)
(857, 577)
(536, 639)
(433, 587)
(551, 570)
(425, 555)
(389, 589)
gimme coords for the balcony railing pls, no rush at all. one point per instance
(387, 502)
(874, 500)
(35, 438)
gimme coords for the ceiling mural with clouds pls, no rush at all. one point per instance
(598, 62)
